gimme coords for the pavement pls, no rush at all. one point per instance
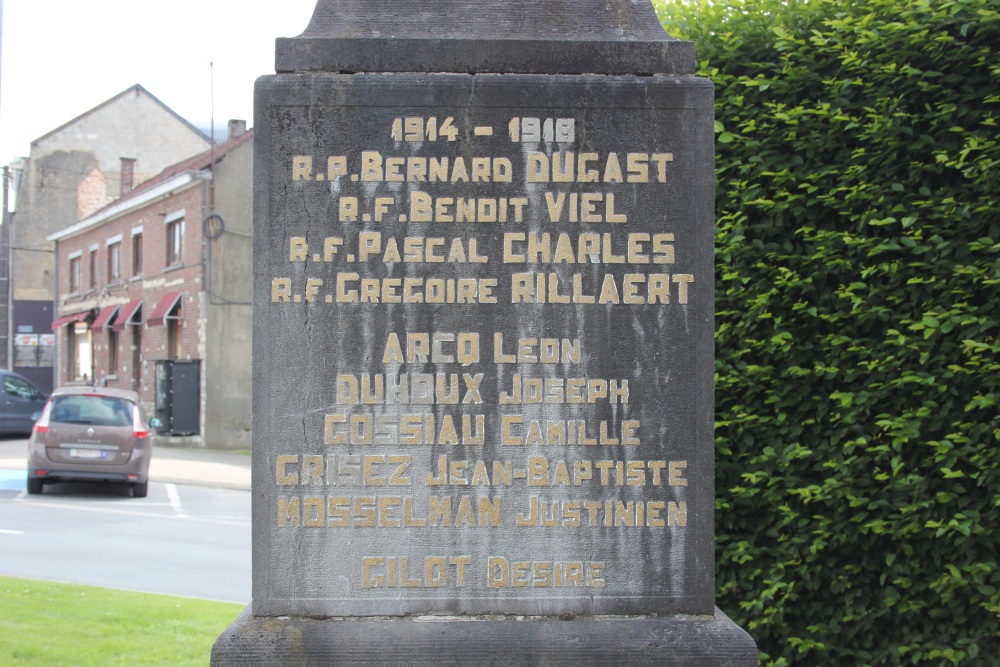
(169, 465)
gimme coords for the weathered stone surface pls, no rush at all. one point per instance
(626, 298)
(693, 641)
(555, 37)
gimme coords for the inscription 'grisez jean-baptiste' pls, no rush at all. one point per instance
(517, 435)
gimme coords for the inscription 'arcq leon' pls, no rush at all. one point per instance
(477, 428)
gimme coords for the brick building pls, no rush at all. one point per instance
(73, 171)
(154, 291)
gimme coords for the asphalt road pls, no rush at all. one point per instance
(180, 540)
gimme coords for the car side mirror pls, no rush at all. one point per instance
(155, 424)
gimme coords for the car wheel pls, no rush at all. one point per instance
(140, 490)
(34, 485)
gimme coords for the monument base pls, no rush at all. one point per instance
(691, 641)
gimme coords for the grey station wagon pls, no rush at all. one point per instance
(91, 434)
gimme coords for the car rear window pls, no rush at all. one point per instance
(95, 410)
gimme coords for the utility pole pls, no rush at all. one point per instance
(5, 293)
(4, 256)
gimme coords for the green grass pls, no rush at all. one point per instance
(44, 623)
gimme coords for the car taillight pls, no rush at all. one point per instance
(139, 429)
(42, 425)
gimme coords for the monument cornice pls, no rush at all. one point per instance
(546, 37)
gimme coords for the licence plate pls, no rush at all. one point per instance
(89, 453)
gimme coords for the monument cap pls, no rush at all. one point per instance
(541, 37)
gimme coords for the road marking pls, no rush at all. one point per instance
(175, 500)
(11, 532)
(94, 509)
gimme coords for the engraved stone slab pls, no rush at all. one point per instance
(483, 337)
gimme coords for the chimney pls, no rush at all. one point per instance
(236, 128)
(128, 172)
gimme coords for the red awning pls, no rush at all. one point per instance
(128, 314)
(163, 308)
(70, 319)
(103, 320)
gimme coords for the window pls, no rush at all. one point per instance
(114, 261)
(136, 358)
(80, 366)
(112, 351)
(93, 268)
(173, 338)
(137, 254)
(74, 274)
(175, 241)
(92, 410)
(19, 388)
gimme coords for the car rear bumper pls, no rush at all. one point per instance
(88, 476)
(135, 470)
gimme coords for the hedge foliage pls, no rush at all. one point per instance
(858, 371)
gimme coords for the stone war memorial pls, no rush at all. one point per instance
(483, 342)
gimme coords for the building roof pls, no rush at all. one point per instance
(175, 176)
(196, 163)
(108, 102)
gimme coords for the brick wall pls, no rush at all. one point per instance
(91, 194)
(155, 280)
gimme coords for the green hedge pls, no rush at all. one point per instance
(858, 218)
